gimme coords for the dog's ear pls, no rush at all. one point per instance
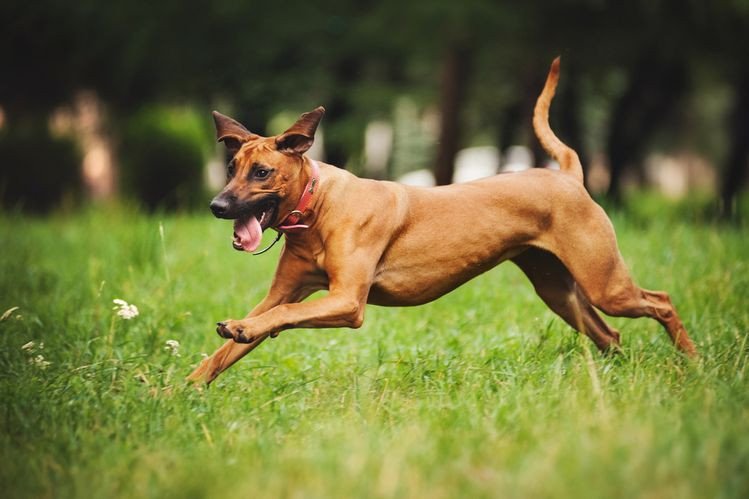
(299, 138)
(231, 132)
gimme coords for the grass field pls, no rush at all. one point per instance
(484, 393)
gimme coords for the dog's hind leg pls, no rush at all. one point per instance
(593, 259)
(588, 251)
(558, 289)
(636, 302)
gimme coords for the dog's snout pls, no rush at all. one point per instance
(220, 205)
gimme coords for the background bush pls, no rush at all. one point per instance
(37, 171)
(162, 154)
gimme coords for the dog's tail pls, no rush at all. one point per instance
(568, 160)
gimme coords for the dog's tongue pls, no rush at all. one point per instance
(247, 234)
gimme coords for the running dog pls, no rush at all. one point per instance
(367, 241)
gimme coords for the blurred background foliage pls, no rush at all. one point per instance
(639, 77)
(162, 155)
(40, 171)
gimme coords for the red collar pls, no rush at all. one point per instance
(291, 222)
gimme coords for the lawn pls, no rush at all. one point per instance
(484, 393)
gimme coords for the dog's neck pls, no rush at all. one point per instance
(291, 222)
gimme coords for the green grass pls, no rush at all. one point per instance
(484, 393)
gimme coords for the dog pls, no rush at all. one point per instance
(379, 242)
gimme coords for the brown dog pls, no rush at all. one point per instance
(367, 241)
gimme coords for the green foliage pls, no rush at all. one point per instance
(37, 171)
(484, 393)
(358, 58)
(162, 155)
(643, 208)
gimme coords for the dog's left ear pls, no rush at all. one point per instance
(231, 132)
(299, 138)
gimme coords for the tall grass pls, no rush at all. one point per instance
(484, 393)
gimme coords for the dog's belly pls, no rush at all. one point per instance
(415, 282)
(446, 236)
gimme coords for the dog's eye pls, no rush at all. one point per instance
(230, 170)
(261, 173)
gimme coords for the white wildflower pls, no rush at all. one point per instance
(173, 347)
(124, 309)
(8, 313)
(32, 347)
(39, 362)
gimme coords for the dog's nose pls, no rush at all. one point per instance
(220, 206)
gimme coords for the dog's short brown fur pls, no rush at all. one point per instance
(389, 244)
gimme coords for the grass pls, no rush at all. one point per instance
(484, 393)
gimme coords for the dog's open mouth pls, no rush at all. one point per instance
(248, 229)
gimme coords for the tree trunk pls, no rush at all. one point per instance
(738, 158)
(508, 125)
(654, 89)
(516, 125)
(338, 109)
(455, 73)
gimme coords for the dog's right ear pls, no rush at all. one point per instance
(230, 132)
(299, 138)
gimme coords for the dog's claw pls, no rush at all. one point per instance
(235, 332)
(222, 330)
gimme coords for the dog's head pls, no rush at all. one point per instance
(263, 177)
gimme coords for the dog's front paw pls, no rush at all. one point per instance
(235, 330)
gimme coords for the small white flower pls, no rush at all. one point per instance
(39, 362)
(32, 347)
(173, 347)
(124, 309)
(9, 313)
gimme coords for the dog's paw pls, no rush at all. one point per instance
(235, 330)
(223, 330)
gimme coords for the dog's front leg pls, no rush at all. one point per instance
(342, 307)
(287, 286)
(228, 353)
(342, 310)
